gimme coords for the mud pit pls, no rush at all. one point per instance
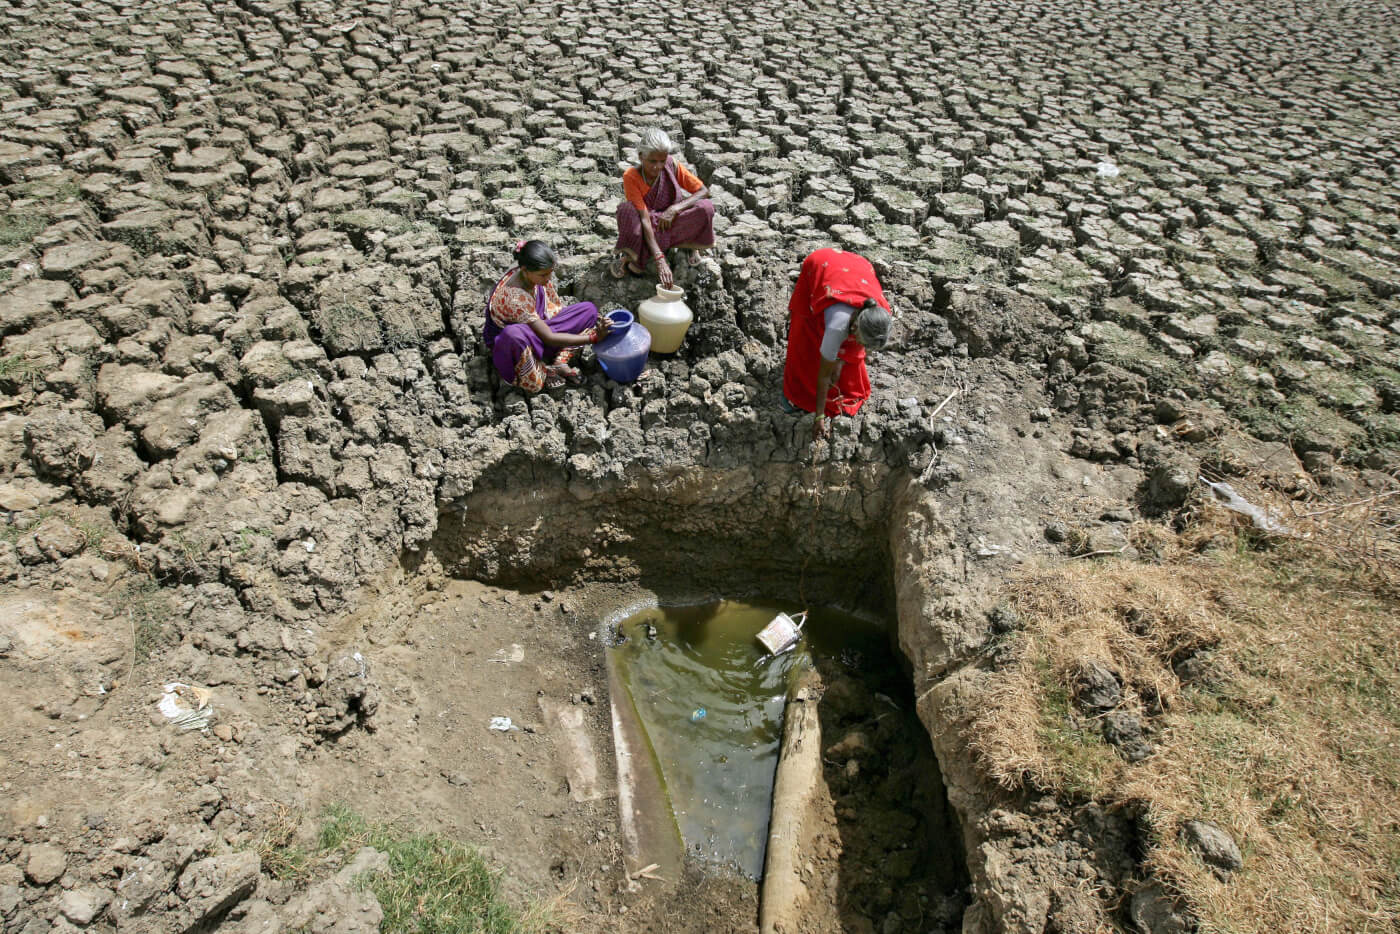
(888, 855)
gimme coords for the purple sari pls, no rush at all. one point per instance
(505, 344)
(695, 224)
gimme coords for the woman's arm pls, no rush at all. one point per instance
(668, 216)
(827, 373)
(564, 338)
(663, 269)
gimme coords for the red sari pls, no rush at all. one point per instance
(828, 276)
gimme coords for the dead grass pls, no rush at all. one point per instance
(18, 228)
(18, 372)
(148, 608)
(282, 857)
(1291, 743)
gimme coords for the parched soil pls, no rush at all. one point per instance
(250, 440)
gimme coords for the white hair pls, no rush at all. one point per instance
(873, 326)
(653, 139)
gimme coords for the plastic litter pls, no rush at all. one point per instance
(510, 656)
(1107, 170)
(698, 714)
(502, 724)
(186, 706)
(1262, 519)
(782, 632)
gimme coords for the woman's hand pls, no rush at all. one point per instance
(603, 326)
(663, 271)
(668, 217)
(827, 373)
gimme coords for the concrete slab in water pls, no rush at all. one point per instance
(650, 834)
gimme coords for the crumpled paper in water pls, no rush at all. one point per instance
(186, 706)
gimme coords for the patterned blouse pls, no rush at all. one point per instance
(513, 305)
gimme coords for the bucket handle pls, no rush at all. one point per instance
(799, 616)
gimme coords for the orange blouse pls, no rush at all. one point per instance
(635, 188)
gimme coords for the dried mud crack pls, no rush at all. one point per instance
(250, 441)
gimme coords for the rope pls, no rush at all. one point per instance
(812, 530)
(816, 446)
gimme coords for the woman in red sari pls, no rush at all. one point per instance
(837, 312)
(664, 206)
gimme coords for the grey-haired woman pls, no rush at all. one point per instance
(664, 205)
(837, 312)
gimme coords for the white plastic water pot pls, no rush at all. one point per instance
(667, 317)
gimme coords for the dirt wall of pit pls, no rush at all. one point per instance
(693, 530)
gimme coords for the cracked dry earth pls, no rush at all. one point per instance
(250, 442)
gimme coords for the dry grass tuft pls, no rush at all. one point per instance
(281, 857)
(1287, 737)
(1360, 530)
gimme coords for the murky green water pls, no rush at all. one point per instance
(718, 767)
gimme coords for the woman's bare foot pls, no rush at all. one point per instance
(623, 265)
(559, 373)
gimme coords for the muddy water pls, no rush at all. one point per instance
(711, 702)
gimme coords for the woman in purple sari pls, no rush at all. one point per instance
(529, 333)
(664, 206)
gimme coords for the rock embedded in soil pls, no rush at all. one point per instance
(1097, 687)
(1004, 618)
(1198, 668)
(1155, 911)
(146, 879)
(57, 539)
(1171, 481)
(82, 905)
(45, 864)
(210, 887)
(1214, 845)
(1124, 731)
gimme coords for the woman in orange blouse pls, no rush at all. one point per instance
(529, 333)
(664, 206)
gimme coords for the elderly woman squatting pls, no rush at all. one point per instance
(664, 206)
